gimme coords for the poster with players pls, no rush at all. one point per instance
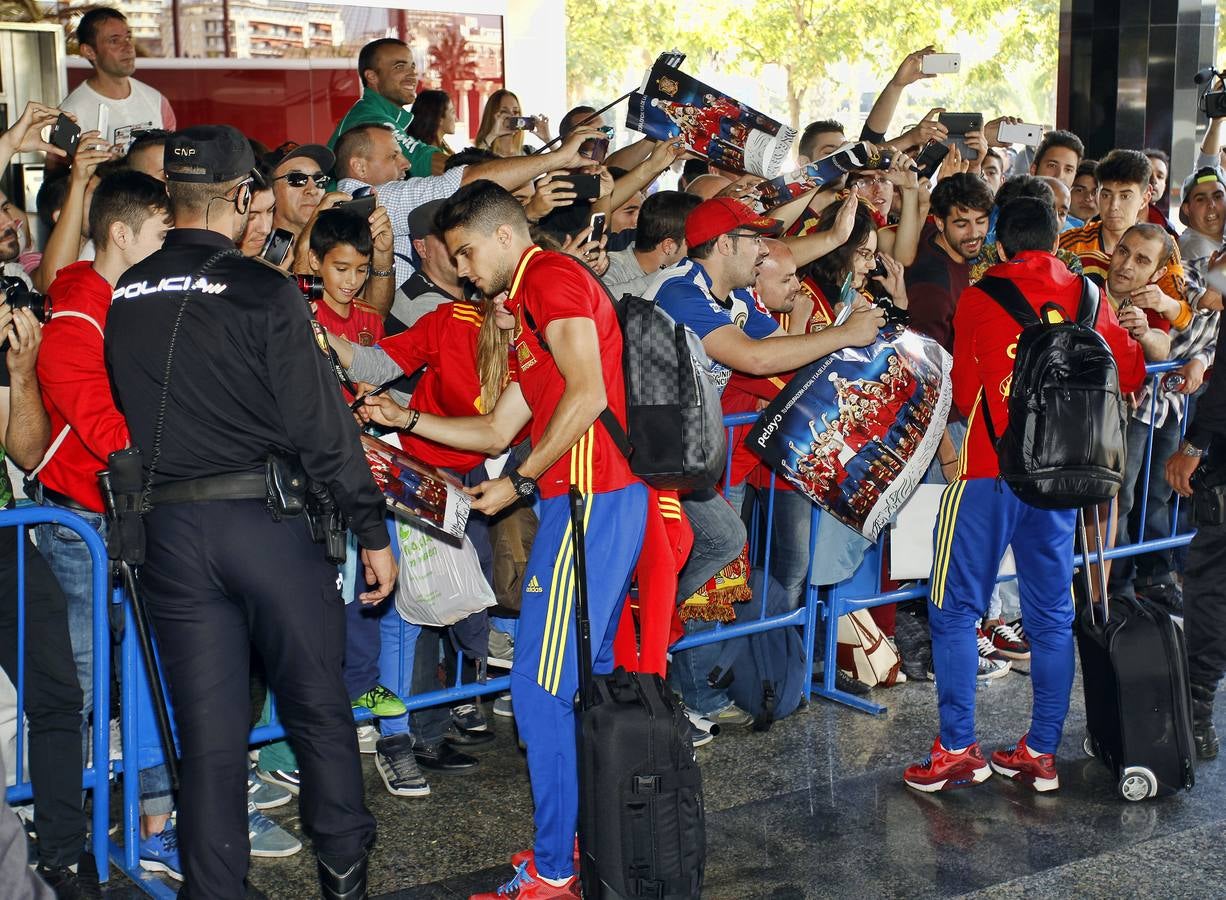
(712, 124)
(856, 430)
(420, 492)
(786, 188)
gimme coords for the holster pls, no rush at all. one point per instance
(286, 481)
(1209, 494)
(326, 522)
(123, 485)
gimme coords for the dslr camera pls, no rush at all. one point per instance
(19, 295)
(894, 315)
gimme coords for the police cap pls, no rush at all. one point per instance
(207, 154)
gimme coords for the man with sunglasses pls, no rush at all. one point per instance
(300, 176)
(214, 366)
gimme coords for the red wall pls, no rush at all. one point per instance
(270, 104)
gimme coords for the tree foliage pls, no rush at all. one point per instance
(816, 59)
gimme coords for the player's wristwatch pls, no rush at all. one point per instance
(524, 486)
(1188, 450)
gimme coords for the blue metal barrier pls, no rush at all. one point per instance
(863, 590)
(825, 606)
(94, 777)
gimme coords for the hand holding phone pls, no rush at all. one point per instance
(65, 134)
(1020, 133)
(597, 226)
(277, 246)
(586, 187)
(362, 206)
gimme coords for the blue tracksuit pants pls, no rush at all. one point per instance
(978, 519)
(544, 677)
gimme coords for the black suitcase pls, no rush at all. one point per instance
(641, 825)
(1134, 667)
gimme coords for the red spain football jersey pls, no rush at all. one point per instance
(550, 286)
(444, 341)
(362, 326)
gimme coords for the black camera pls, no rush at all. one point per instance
(312, 287)
(19, 295)
(1215, 104)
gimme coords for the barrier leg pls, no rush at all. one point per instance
(865, 582)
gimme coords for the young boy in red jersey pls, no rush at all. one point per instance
(341, 246)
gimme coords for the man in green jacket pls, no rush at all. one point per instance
(389, 84)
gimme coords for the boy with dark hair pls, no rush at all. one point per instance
(1083, 199)
(341, 248)
(1058, 155)
(127, 221)
(948, 244)
(1124, 193)
(980, 517)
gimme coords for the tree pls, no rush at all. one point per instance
(824, 54)
(453, 58)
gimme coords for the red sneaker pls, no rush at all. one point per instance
(1019, 764)
(518, 859)
(527, 885)
(944, 771)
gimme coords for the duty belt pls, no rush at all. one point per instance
(241, 486)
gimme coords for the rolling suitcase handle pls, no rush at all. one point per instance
(1084, 541)
(583, 633)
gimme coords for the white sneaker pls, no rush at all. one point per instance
(368, 736)
(990, 669)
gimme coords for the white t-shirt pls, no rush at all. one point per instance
(142, 109)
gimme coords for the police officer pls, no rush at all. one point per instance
(213, 365)
(1204, 586)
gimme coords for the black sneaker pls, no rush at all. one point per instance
(398, 768)
(469, 740)
(1204, 736)
(444, 759)
(847, 684)
(70, 885)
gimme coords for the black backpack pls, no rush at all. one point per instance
(1065, 444)
(674, 437)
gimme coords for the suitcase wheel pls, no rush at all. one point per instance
(1088, 746)
(1137, 783)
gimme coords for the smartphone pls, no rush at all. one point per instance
(362, 206)
(521, 123)
(64, 134)
(104, 121)
(276, 248)
(597, 225)
(940, 63)
(930, 159)
(595, 149)
(586, 187)
(959, 125)
(1022, 133)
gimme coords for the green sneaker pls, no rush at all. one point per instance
(380, 701)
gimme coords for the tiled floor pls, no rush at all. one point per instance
(816, 808)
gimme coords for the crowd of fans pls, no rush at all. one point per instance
(400, 310)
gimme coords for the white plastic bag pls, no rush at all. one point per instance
(440, 583)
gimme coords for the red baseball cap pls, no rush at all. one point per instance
(720, 215)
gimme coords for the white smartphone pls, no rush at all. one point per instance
(1022, 133)
(940, 63)
(104, 121)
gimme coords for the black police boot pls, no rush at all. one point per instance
(347, 885)
(1204, 735)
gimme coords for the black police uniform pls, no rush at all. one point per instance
(1204, 588)
(221, 573)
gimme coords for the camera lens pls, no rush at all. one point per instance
(312, 287)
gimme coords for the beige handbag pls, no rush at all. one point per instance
(864, 652)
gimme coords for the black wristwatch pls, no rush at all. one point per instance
(524, 486)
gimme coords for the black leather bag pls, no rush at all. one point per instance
(1065, 445)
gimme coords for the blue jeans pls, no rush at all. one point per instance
(70, 561)
(397, 650)
(789, 539)
(719, 535)
(1148, 568)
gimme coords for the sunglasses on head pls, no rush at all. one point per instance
(300, 179)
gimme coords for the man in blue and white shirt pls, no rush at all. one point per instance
(709, 291)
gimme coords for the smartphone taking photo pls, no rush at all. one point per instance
(65, 134)
(276, 247)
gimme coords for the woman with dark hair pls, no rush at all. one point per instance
(852, 264)
(494, 133)
(433, 119)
